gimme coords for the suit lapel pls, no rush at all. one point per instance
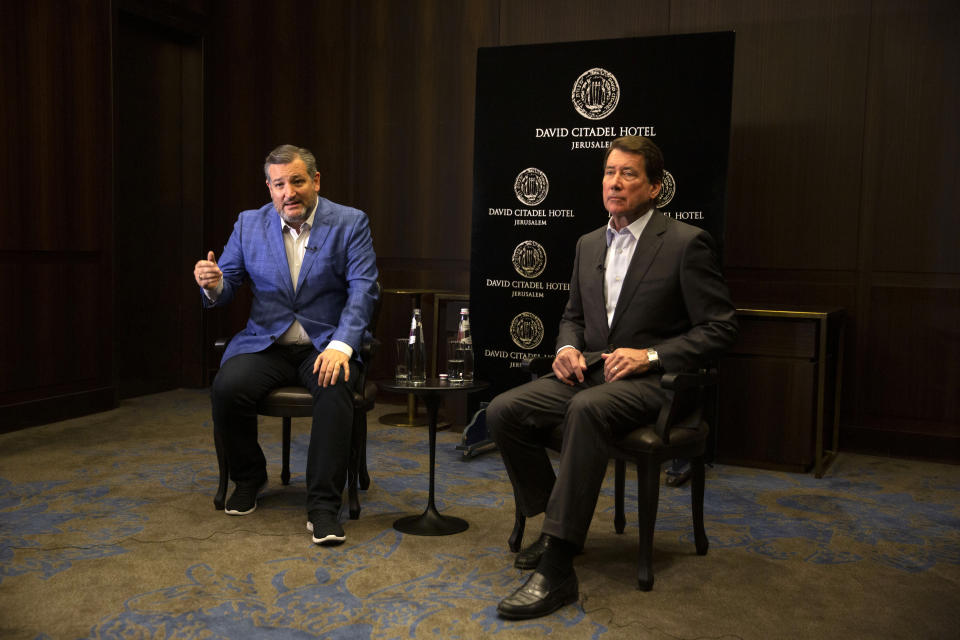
(648, 245)
(318, 236)
(593, 252)
(273, 228)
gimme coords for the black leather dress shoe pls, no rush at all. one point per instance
(529, 558)
(537, 597)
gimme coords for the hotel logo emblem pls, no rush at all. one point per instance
(595, 94)
(526, 330)
(667, 190)
(531, 186)
(529, 259)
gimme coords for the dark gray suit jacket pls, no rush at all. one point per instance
(674, 298)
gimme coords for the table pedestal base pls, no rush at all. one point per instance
(403, 420)
(430, 523)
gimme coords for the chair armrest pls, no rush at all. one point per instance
(368, 349)
(539, 366)
(685, 409)
(689, 379)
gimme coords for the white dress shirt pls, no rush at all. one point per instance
(620, 247)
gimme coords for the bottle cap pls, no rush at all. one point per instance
(464, 310)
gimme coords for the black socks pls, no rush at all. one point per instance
(557, 561)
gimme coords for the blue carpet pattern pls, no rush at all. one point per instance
(107, 530)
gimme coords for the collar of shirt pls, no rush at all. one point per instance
(635, 228)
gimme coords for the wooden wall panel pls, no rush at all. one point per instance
(920, 351)
(414, 134)
(909, 265)
(158, 100)
(536, 21)
(44, 348)
(797, 128)
(55, 174)
(56, 61)
(911, 171)
(910, 405)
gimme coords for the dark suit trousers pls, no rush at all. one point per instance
(244, 379)
(592, 415)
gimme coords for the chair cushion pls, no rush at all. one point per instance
(293, 402)
(296, 402)
(645, 440)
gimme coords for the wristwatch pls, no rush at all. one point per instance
(654, 359)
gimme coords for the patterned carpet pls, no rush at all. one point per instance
(107, 530)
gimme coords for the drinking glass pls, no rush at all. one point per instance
(400, 371)
(456, 359)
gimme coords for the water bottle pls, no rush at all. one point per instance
(416, 350)
(466, 343)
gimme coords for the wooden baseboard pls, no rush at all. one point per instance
(56, 408)
(900, 444)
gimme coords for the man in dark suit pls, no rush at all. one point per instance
(312, 270)
(646, 296)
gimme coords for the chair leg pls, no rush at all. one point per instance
(516, 537)
(224, 468)
(364, 474)
(354, 500)
(619, 474)
(285, 471)
(354, 461)
(697, 479)
(648, 495)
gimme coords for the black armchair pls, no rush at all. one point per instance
(296, 402)
(679, 432)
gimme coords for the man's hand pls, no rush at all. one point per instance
(207, 273)
(624, 362)
(328, 364)
(569, 366)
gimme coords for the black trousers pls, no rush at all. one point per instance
(244, 379)
(592, 414)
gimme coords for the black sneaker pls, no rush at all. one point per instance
(325, 528)
(244, 498)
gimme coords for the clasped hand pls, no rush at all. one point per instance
(624, 362)
(570, 365)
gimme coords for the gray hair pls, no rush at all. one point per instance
(287, 153)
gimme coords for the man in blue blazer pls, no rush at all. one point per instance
(312, 269)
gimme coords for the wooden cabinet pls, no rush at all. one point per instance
(780, 388)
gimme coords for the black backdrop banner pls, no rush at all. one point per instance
(545, 115)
